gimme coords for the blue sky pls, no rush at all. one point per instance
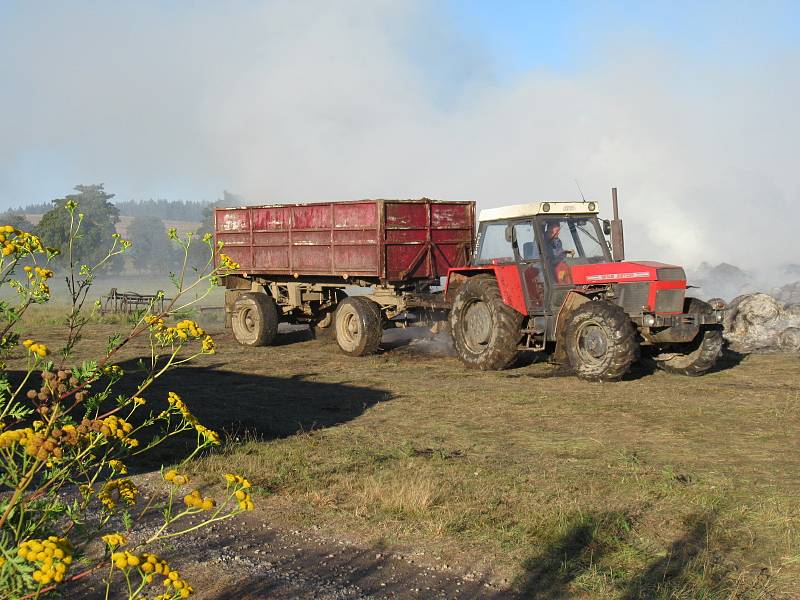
(561, 36)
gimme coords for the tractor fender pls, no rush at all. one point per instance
(572, 301)
(508, 280)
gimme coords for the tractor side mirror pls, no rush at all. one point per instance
(606, 226)
(511, 235)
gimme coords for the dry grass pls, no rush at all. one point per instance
(656, 487)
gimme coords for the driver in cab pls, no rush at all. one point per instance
(556, 246)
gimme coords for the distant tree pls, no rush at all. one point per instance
(17, 221)
(98, 227)
(151, 250)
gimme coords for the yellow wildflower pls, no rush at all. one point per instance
(36, 348)
(118, 467)
(115, 539)
(51, 557)
(227, 263)
(174, 478)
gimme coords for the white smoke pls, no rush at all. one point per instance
(315, 100)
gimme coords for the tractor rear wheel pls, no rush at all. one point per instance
(600, 341)
(486, 331)
(359, 326)
(255, 319)
(698, 356)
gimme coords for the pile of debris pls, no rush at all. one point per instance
(760, 323)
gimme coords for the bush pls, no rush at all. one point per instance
(66, 437)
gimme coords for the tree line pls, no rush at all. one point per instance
(152, 252)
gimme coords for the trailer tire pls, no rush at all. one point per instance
(359, 326)
(600, 341)
(486, 331)
(323, 329)
(255, 319)
(698, 356)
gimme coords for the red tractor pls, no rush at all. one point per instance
(542, 277)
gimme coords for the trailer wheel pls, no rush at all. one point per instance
(359, 326)
(600, 341)
(324, 329)
(695, 357)
(486, 331)
(254, 319)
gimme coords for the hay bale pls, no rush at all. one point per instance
(759, 323)
(789, 339)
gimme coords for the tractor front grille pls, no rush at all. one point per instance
(633, 297)
(669, 301)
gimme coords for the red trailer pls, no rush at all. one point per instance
(297, 259)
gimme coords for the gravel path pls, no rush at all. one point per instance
(249, 558)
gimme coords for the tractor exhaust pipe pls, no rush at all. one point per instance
(617, 238)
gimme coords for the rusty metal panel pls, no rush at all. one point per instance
(383, 240)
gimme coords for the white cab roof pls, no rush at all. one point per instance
(516, 211)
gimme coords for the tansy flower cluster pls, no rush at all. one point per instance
(37, 281)
(125, 490)
(208, 435)
(38, 271)
(114, 427)
(227, 263)
(15, 436)
(14, 240)
(183, 331)
(195, 500)
(115, 539)
(52, 557)
(174, 478)
(54, 386)
(118, 466)
(36, 348)
(175, 582)
(242, 497)
(152, 565)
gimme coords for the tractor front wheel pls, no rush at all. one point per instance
(255, 319)
(486, 331)
(698, 356)
(600, 341)
(359, 326)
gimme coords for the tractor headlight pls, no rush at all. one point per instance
(648, 320)
(546, 207)
(592, 206)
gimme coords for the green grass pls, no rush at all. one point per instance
(659, 486)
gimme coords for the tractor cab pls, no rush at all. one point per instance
(545, 241)
(544, 278)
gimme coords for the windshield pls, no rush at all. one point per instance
(579, 238)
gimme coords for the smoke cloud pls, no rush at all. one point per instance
(302, 101)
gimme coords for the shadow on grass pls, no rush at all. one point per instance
(237, 404)
(687, 569)
(590, 537)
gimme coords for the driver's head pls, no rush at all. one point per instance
(553, 229)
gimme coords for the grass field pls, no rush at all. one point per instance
(659, 486)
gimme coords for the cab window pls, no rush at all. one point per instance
(494, 246)
(526, 241)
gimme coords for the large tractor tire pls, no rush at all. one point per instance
(486, 331)
(255, 319)
(359, 326)
(600, 341)
(698, 356)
